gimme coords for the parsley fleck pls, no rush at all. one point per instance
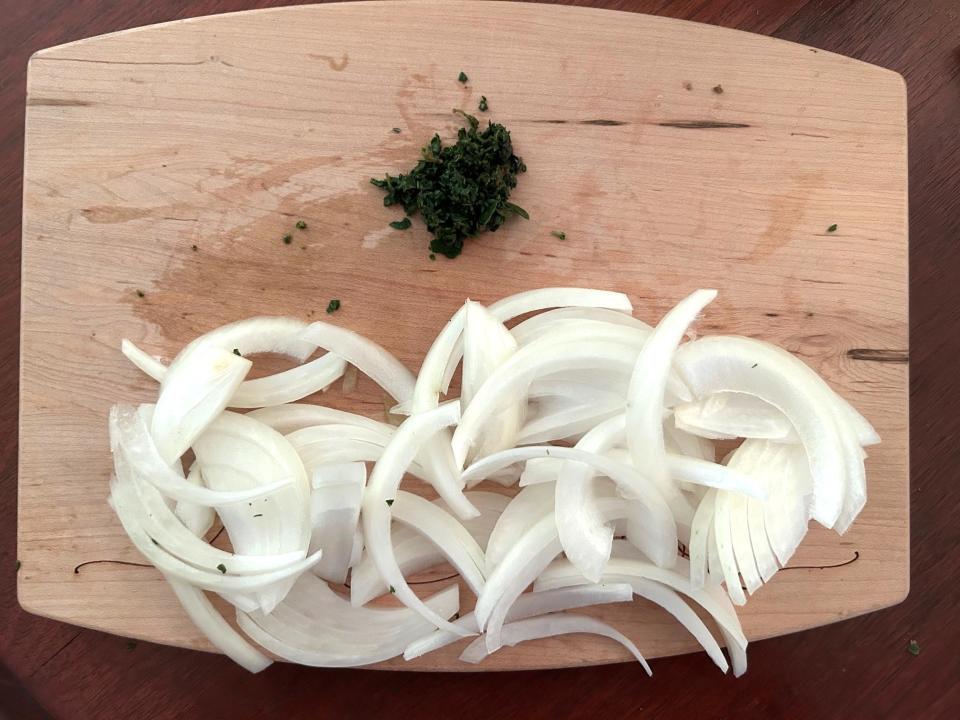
(390, 502)
(462, 77)
(287, 239)
(459, 190)
(259, 515)
(393, 590)
(400, 224)
(433, 256)
(333, 306)
(913, 647)
(718, 89)
(301, 225)
(194, 248)
(559, 234)
(131, 644)
(222, 568)
(18, 566)
(483, 104)
(832, 228)
(141, 293)
(753, 366)
(397, 130)
(236, 352)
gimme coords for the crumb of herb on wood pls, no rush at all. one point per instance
(287, 239)
(396, 130)
(718, 89)
(194, 248)
(559, 234)
(141, 293)
(400, 224)
(131, 644)
(236, 351)
(222, 568)
(301, 225)
(462, 77)
(688, 85)
(333, 306)
(18, 565)
(433, 256)
(832, 228)
(483, 103)
(913, 647)
(460, 190)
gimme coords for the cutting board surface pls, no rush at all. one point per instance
(169, 161)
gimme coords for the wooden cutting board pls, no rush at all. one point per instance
(164, 165)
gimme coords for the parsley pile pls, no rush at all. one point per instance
(459, 190)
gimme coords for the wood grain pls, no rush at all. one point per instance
(164, 165)
(857, 668)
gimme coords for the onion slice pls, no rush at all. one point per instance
(549, 626)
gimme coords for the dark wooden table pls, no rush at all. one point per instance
(857, 669)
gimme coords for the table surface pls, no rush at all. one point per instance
(859, 668)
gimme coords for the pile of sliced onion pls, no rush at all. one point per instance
(592, 434)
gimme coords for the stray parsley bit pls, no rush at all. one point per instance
(913, 647)
(559, 234)
(390, 502)
(832, 228)
(18, 566)
(333, 306)
(483, 103)
(393, 590)
(236, 352)
(400, 224)
(222, 568)
(287, 239)
(259, 515)
(301, 225)
(131, 644)
(397, 130)
(460, 190)
(462, 77)
(194, 248)
(433, 256)
(141, 293)
(718, 89)
(753, 366)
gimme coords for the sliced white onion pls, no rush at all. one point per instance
(383, 485)
(648, 385)
(198, 519)
(550, 626)
(727, 415)
(317, 627)
(238, 452)
(217, 630)
(335, 499)
(368, 357)
(290, 385)
(487, 345)
(130, 436)
(528, 605)
(416, 552)
(286, 419)
(527, 508)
